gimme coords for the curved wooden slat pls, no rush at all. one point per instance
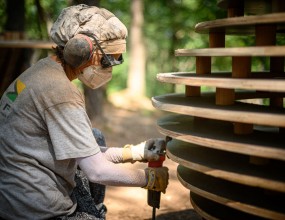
(229, 166)
(224, 81)
(234, 51)
(262, 142)
(244, 198)
(235, 165)
(213, 211)
(204, 106)
(241, 25)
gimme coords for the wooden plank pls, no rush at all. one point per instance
(265, 34)
(271, 83)
(229, 166)
(213, 211)
(202, 207)
(263, 142)
(241, 25)
(225, 96)
(234, 51)
(238, 71)
(244, 198)
(204, 107)
(26, 44)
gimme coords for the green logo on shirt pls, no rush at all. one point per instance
(19, 87)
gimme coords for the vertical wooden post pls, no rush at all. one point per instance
(217, 39)
(227, 96)
(223, 96)
(266, 35)
(203, 66)
(235, 9)
(241, 68)
(277, 63)
(278, 6)
(242, 128)
(257, 7)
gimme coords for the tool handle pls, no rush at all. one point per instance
(157, 163)
(153, 197)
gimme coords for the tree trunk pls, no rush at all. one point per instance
(12, 60)
(136, 75)
(94, 99)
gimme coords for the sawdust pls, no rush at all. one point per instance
(122, 126)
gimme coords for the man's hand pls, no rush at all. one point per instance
(157, 178)
(149, 150)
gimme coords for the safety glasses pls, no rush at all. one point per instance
(107, 60)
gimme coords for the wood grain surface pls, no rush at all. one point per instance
(251, 200)
(241, 25)
(205, 107)
(264, 142)
(211, 210)
(273, 82)
(229, 166)
(234, 51)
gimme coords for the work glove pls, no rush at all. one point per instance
(157, 178)
(149, 150)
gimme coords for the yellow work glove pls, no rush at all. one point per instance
(157, 178)
(146, 151)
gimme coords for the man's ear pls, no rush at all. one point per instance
(78, 51)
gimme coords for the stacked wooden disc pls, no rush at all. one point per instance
(229, 144)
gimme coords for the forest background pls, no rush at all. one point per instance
(156, 30)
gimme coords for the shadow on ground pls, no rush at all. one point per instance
(188, 214)
(122, 127)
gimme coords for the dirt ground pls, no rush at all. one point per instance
(124, 126)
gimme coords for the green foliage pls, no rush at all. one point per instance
(120, 73)
(168, 25)
(119, 76)
(35, 28)
(3, 16)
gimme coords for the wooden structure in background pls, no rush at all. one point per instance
(230, 149)
(14, 50)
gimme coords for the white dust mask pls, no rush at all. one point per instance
(95, 76)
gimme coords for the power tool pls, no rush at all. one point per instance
(153, 197)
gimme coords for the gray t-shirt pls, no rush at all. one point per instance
(43, 128)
